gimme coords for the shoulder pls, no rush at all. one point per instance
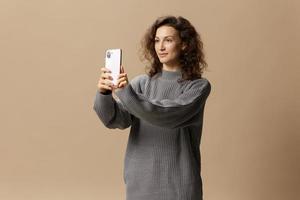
(196, 90)
(201, 84)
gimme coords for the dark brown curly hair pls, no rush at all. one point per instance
(191, 58)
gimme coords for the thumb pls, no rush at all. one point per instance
(122, 69)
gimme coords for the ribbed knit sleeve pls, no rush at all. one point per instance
(111, 112)
(183, 111)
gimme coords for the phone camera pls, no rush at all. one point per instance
(108, 54)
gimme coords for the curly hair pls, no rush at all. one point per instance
(191, 58)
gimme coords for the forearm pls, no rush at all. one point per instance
(170, 117)
(110, 112)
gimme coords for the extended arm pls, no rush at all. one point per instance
(180, 112)
(111, 112)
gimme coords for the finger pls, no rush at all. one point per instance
(106, 87)
(105, 70)
(102, 86)
(122, 79)
(105, 82)
(122, 75)
(106, 76)
(108, 82)
(123, 84)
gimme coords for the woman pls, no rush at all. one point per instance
(165, 111)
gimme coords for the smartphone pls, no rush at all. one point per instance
(113, 61)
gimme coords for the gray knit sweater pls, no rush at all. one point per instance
(162, 160)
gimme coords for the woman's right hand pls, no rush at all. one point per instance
(105, 81)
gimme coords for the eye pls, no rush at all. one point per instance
(169, 40)
(156, 40)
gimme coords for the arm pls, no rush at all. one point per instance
(111, 112)
(180, 112)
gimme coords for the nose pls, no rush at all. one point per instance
(161, 46)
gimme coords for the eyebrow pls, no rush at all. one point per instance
(166, 36)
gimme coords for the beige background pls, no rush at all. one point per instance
(53, 146)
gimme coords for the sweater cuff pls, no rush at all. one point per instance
(103, 104)
(106, 95)
(107, 92)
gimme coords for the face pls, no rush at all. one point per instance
(168, 45)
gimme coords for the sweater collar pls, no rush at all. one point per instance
(171, 75)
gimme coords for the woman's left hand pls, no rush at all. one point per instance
(121, 83)
(122, 79)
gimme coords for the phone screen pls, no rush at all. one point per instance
(113, 58)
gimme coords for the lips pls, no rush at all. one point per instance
(162, 54)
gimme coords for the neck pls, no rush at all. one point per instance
(171, 75)
(175, 67)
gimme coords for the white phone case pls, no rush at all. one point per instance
(113, 58)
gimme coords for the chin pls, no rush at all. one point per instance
(167, 62)
(164, 61)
